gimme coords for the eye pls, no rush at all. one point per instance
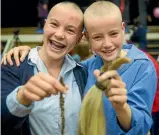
(53, 24)
(114, 34)
(97, 37)
(71, 31)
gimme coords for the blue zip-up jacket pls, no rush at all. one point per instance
(13, 77)
(141, 82)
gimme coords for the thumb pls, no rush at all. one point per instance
(97, 73)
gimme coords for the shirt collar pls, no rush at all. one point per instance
(133, 52)
(34, 60)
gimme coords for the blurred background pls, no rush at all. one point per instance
(22, 22)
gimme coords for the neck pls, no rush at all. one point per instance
(49, 62)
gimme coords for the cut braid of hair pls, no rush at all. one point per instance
(62, 102)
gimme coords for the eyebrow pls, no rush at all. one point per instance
(96, 34)
(52, 19)
(69, 26)
(115, 30)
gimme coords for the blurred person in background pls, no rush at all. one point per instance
(139, 36)
(42, 15)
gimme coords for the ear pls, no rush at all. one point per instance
(123, 27)
(45, 21)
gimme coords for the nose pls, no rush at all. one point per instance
(59, 34)
(107, 42)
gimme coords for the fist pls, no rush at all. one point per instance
(38, 87)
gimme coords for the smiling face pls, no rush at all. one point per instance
(105, 29)
(62, 31)
(106, 37)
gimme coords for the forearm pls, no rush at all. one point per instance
(15, 107)
(124, 117)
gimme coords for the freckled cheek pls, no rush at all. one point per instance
(47, 32)
(119, 43)
(71, 39)
(72, 44)
(46, 35)
(95, 47)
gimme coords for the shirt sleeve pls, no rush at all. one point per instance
(15, 107)
(140, 100)
(10, 80)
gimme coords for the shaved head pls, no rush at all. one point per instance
(102, 9)
(70, 5)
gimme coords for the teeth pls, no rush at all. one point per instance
(108, 51)
(56, 45)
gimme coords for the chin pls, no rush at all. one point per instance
(109, 58)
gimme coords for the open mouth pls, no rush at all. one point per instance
(108, 52)
(56, 45)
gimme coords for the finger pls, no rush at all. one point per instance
(116, 91)
(107, 75)
(16, 55)
(113, 83)
(42, 84)
(34, 89)
(31, 96)
(53, 81)
(97, 73)
(24, 50)
(4, 60)
(117, 77)
(23, 55)
(55, 91)
(9, 57)
(118, 99)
